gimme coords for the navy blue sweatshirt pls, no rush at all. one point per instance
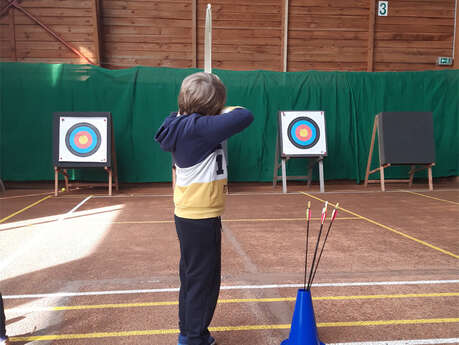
(195, 143)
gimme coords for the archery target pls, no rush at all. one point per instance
(82, 139)
(302, 133)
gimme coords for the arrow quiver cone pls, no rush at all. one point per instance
(303, 330)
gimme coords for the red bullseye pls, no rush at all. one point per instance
(83, 139)
(303, 133)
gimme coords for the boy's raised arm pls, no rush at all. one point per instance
(218, 128)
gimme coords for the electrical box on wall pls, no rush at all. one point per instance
(444, 61)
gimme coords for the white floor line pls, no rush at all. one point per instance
(36, 237)
(101, 196)
(405, 342)
(69, 213)
(229, 287)
(133, 195)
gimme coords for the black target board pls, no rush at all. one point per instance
(406, 138)
(82, 139)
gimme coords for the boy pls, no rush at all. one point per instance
(194, 137)
(3, 338)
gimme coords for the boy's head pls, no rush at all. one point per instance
(202, 93)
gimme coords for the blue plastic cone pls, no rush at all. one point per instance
(303, 330)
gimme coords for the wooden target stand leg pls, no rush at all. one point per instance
(413, 170)
(381, 167)
(113, 172)
(112, 179)
(2, 186)
(284, 177)
(276, 164)
(321, 174)
(58, 170)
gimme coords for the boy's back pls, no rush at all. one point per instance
(194, 141)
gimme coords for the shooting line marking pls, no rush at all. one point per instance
(431, 197)
(43, 220)
(233, 220)
(235, 300)
(229, 287)
(25, 208)
(234, 194)
(390, 229)
(231, 328)
(23, 196)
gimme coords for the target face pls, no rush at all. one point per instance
(82, 139)
(302, 133)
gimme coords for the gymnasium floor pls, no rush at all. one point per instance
(85, 268)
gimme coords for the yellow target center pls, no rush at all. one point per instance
(83, 139)
(304, 132)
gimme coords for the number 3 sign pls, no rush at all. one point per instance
(383, 8)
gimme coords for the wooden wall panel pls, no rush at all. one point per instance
(150, 33)
(69, 19)
(247, 34)
(328, 35)
(414, 34)
(6, 39)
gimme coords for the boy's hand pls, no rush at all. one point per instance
(231, 108)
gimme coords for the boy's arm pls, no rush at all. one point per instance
(218, 128)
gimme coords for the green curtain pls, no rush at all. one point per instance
(140, 98)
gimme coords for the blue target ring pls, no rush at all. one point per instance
(83, 139)
(303, 132)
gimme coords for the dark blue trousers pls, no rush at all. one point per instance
(200, 270)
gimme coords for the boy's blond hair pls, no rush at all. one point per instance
(202, 93)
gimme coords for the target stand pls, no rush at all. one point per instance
(301, 135)
(404, 138)
(84, 140)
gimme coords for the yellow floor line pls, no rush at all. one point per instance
(230, 328)
(24, 196)
(231, 220)
(235, 300)
(387, 322)
(279, 219)
(431, 197)
(25, 209)
(389, 228)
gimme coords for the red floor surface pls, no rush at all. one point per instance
(85, 268)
